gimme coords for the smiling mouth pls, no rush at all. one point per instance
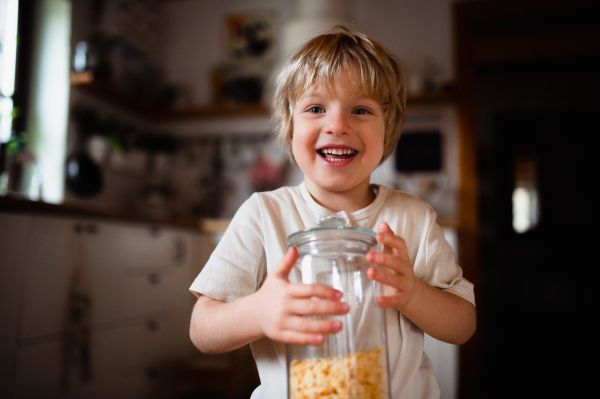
(336, 154)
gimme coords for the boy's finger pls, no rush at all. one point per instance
(306, 325)
(285, 265)
(315, 291)
(312, 307)
(384, 227)
(382, 230)
(299, 338)
(391, 242)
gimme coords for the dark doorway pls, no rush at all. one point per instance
(529, 106)
(537, 129)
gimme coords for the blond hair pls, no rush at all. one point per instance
(322, 60)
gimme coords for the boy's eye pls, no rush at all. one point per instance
(361, 111)
(316, 109)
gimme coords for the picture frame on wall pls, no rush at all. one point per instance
(251, 37)
(250, 50)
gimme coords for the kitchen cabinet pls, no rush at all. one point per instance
(136, 277)
(128, 360)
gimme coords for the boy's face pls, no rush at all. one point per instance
(338, 139)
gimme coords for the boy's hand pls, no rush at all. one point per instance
(284, 307)
(438, 313)
(396, 273)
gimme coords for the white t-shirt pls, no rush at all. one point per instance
(255, 242)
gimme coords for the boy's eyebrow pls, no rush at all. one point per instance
(316, 93)
(309, 94)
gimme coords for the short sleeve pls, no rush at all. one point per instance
(237, 266)
(440, 269)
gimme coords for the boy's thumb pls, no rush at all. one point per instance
(285, 265)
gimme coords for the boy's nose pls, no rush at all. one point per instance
(337, 123)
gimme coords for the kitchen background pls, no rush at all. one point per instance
(147, 125)
(191, 136)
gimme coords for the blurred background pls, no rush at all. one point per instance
(132, 130)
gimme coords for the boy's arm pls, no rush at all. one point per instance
(277, 310)
(440, 314)
(218, 327)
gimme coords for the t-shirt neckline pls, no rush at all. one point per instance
(320, 211)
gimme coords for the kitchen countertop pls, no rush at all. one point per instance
(19, 205)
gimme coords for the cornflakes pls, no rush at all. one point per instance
(361, 374)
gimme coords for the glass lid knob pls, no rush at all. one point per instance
(333, 221)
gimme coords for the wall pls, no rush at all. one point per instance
(192, 46)
(416, 31)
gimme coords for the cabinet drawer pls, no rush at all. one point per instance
(127, 271)
(128, 360)
(168, 336)
(131, 294)
(131, 246)
(42, 371)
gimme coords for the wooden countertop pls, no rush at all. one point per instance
(19, 205)
(16, 205)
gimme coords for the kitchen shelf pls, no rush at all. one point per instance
(87, 82)
(215, 111)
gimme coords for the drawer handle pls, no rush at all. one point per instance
(180, 251)
(153, 325)
(151, 373)
(81, 228)
(154, 278)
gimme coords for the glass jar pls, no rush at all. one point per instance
(354, 362)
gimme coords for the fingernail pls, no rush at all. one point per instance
(318, 339)
(371, 272)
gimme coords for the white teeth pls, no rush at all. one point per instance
(337, 154)
(337, 151)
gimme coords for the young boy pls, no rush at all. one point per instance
(339, 108)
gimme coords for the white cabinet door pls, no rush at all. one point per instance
(13, 244)
(54, 250)
(38, 371)
(137, 270)
(137, 280)
(43, 371)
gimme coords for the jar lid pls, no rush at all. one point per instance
(332, 227)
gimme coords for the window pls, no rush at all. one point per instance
(34, 79)
(525, 194)
(9, 11)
